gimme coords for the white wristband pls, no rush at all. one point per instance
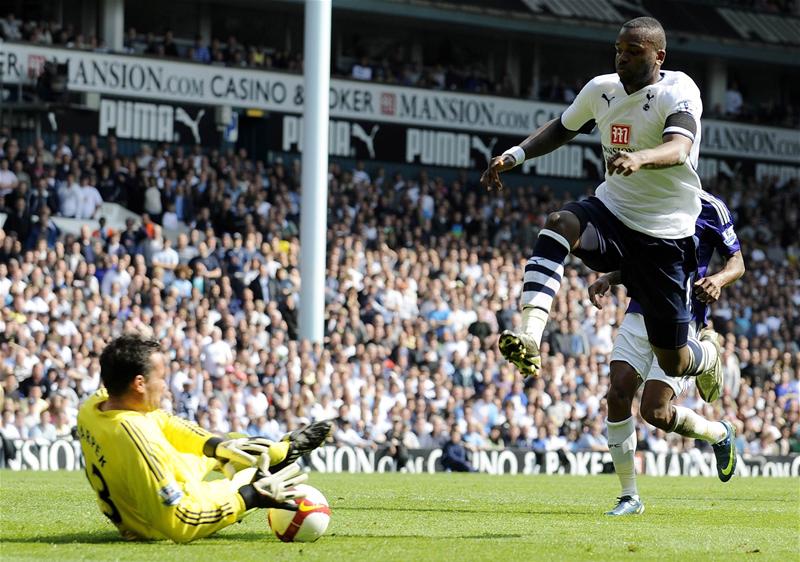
(517, 154)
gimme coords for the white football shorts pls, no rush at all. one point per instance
(632, 346)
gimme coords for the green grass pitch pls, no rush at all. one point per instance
(52, 516)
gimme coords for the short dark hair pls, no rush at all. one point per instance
(125, 358)
(653, 28)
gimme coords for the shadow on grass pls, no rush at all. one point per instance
(465, 510)
(113, 538)
(482, 536)
(69, 538)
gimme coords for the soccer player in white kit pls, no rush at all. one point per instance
(642, 219)
(632, 362)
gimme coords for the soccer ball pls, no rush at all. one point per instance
(307, 524)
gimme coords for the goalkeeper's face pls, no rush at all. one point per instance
(155, 383)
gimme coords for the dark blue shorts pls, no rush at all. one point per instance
(657, 272)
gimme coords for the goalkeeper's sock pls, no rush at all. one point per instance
(622, 446)
(542, 280)
(692, 424)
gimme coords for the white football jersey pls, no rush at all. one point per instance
(663, 202)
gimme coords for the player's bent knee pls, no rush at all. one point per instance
(565, 223)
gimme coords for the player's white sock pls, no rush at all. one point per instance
(542, 280)
(622, 446)
(534, 321)
(691, 424)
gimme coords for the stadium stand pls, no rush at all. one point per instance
(422, 274)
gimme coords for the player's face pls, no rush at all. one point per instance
(156, 382)
(636, 57)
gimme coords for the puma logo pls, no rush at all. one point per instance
(478, 144)
(194, 124)
(649, 97)
(368, 139)
(608, 99)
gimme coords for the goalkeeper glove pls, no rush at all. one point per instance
(274, 490)
(243, 452)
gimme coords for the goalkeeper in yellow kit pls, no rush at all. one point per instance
(148, 467)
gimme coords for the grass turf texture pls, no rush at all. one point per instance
(52, 515)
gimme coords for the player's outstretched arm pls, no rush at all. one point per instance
(544, 140)
(708, 288)
(188, 437)
(672, 152)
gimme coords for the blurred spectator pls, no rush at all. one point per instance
(43, 229)
(8, 179)
(44, 429)
(18, 220)
(733, 100)
(396, 443)
(89, 199)
(362, 70)
(70, 197)
(592, 438)
(170, 48)
(10, 27)
(454, 454)
(200, 52)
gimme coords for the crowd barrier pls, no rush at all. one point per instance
(64, 454)
(115, 215)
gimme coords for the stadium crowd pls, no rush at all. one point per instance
(422, 274)
(394, 67)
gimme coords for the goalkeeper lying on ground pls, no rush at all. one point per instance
(148, 466)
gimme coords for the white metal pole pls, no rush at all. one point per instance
(113, 24)
(314, 200)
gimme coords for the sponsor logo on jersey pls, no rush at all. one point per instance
(620, 134)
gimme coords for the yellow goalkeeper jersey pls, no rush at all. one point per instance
(148, 470)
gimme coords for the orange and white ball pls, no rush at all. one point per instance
(308, 523)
